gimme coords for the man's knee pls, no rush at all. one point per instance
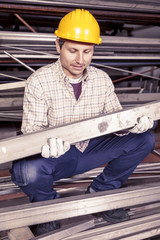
(25, 172)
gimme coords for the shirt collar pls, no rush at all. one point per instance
(64, 76)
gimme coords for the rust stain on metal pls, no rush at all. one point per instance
(102, 126)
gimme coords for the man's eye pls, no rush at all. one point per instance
(72, 50)
(87, 51)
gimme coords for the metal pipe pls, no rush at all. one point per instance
(6, 75)
(111, 40)
(122, 70)
(156, 152)
(19, 61)
(100, 65)
(24, 22)
(27, 50)
(133, 75)
(134, 6)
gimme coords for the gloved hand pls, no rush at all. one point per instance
(143, 124)
(55, 148)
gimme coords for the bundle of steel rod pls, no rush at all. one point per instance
(143, 219)
(143, 223)
(12, 101)
(75, 206)
(31, 50)
(12, 54)
(121, 51)
(139, 12)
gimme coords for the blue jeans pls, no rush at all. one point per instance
(35, 175)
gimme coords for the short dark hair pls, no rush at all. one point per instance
(61, 42)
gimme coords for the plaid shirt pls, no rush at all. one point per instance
(49, 99)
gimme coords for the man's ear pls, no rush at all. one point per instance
(57, 45)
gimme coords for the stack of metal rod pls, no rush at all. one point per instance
(115, 51)
(21, 52)
(144, 12)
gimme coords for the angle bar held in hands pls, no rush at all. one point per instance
(31, 143)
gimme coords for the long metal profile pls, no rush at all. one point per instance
(130, 14)
(106, 40)
(39, 212)
(138, 98)
(15, 100)
(134, 6)
(30, 144)
(134, 229)
(13, 85)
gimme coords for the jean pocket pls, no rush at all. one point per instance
(18, 173)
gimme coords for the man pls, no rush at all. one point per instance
(67, 91)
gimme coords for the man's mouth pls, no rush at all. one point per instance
(78, 67)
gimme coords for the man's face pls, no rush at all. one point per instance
(75, 57)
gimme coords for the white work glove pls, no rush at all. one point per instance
(143, 124)
(55, 148)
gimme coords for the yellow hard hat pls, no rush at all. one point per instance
(79, 25)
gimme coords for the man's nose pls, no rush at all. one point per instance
(80, 58)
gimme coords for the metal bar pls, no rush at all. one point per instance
(20, 233)
(39, 212)
(106, 40)
(28, 36)
(11, 102)
(122, 70)
(15, 85)
(98, 52)
(124, 16)
(133, 75)
(144, 60)
(6, 75)
(68, 230)
(130, 98)
(138, 98)
(77, 131)
(133, 7)
(19, 61)
(27, 50)
(156, 152)
(138, 229)
(24, 22)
